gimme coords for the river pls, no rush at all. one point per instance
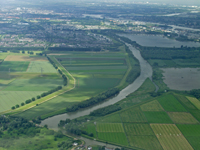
(146, 72)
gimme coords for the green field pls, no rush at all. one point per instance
(145, 142)
(33, 84)
(14, 66)
(113, 137)
(113, 118)
(157, 117)
(110, 127)
(170, 137)
(137, 129)
(12, 98)
(41, 67)
(170, 103)
(194, 101)
(151, 106)
(91, 128)
(182, 118)
(133, 115)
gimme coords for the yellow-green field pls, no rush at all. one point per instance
(170, 137)
(194, 101)
(110, 127)
(182, 118)
(151, 106)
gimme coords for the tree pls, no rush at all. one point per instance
(17, 106)
(22, 104)
(33, 99)
(13, 108)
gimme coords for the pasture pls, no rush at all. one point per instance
(194, 101)
(114, 118)
(145, 142)
(12, 98)
(182, 118)
(170, 103)
(137, 129)
(110, 127)
(14, 66)
(91, 128)
(151, 106)
(113, 137)
(170, 137)
(133, 115)
(157, 117)
(41, 67)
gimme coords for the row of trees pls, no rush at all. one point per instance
(38, 97)
(73, 49)
(94, 100)
(105, 111)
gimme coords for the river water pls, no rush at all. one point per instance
(146, 72)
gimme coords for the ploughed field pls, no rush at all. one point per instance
(170, 121)
(24, 77)
(93, 72)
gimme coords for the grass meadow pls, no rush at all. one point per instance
(110, 127)
(151, 106)
(194, 101)
(157, 117)
(170, 103)
(14, 66)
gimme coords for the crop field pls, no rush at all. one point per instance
(137, 129)
(14, 66)
(191, 133)
(11, 98)
(133, 115)
(170, 137)
(194, 101)
(24, 58)
(113, 137)
(41, 66)
(145, 142)
(185, 101)
(114, 118)
(151, 106)
(182, 118)
(157, 117)
(170, 103)
(110, 127)
(189, 129)
(33, 85)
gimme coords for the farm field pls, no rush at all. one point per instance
(19, 85)
(151, 106)
(170, 103)
(133, 115)
(94, 74)
(182, 117)
(170, 137)
(41, 66)
(113, 137)
(91, 128)
(194, 101)
(157, 117)
(110, 127)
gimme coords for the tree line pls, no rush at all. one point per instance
(94, 100)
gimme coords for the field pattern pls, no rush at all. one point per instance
(170, 103)
(132, 115)
(170, 137)
(145, 142)
(11, 98)
(110, 127)
(138, 129)
(114, 137)
(157, 117)
(41, 66)
(182, 117)
(189, 129)
(194, 101)
(151, 106)
(14, 66)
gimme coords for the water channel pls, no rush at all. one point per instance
(146, 72)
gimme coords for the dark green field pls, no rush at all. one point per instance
(157, 117)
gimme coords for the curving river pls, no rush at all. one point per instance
(146, 72)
